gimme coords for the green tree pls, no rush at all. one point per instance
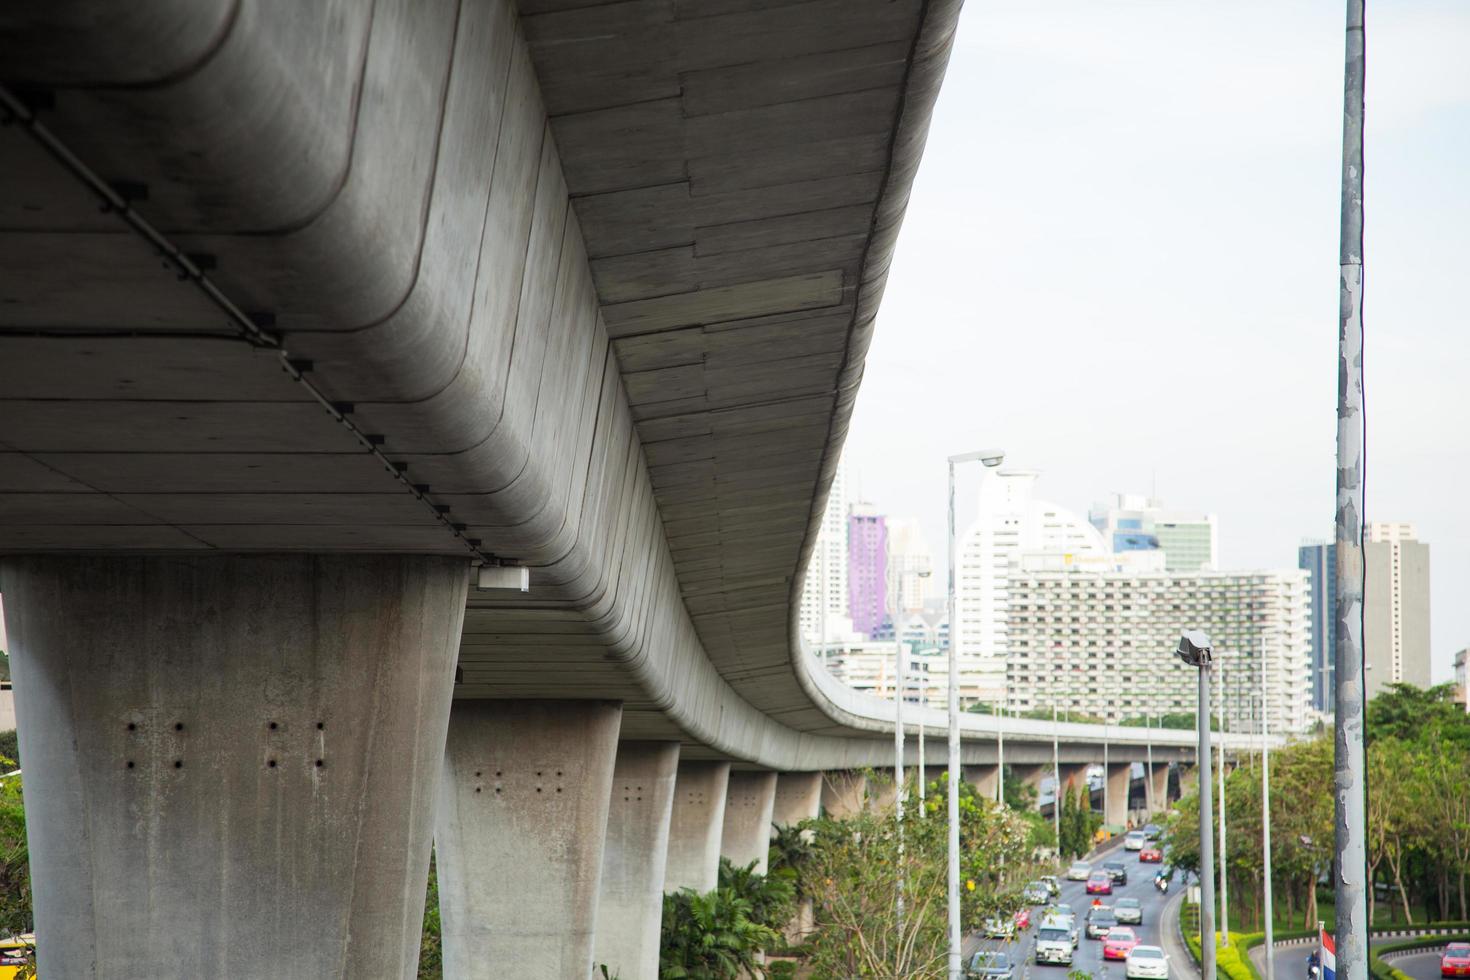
(711, 937)
(15, 869)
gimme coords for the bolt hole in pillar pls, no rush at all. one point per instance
(225, 867)
(520, 869)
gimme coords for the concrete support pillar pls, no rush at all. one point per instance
(1074, 774)
(1188, 779)
(1032, 774)
(523, 803)
(696, 826)
(882, 791)
(843, 793)
(1159, 788)
(635, 849)
(798, 798)
(230, 760)
(985, 777)
(1119, 778)
(750, 800)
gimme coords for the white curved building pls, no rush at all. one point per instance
(1011, 522)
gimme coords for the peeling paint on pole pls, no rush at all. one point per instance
(1350, 768)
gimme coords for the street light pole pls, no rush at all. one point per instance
(1266, 816)
(1148, 777)
(991, 457)
(1000, 750)
(898, 694)
(1195, 650)
(1056, 791)
(923, 707)
(1224, 865)
(953, 801)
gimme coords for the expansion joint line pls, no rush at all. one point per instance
(253, 328)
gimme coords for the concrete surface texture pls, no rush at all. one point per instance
(1119, 778)
(634, 855)
(750, 800)
(798, 798)
(696, 828)
(230, 761)
(522, 810)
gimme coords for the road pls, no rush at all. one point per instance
(1291, 963)
(1089, 954)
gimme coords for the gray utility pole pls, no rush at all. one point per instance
(1195, 650)
(988, 457)
(1105, 769)
(1056, 790)
(923, 707)
(1224, 884)
(1000, 753)
(1349, 764)
(899, 670)
(1266, 818)
(1148, 777)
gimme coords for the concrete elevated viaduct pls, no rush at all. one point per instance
(308, 311)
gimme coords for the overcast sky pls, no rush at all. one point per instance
(1120, 265)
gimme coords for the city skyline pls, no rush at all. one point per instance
(1149, 299)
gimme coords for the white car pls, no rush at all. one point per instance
(1054, 944)
(1146, 963)
(1135, 840)
(1079, 871)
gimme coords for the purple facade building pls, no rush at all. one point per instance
(867, 568)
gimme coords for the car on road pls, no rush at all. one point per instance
(1146, 963)
(1118, 870)
(1079, 871)
(1022, 919)
(1037, 893)
(999, 927)
(1054, 945)
(1065, 921)
(1100, 919)
(991, 963)
(1119, 941)
(1152, 831)
(1134, 841)
(1455, 961)
(1129, 911)
(1101, 883)
(1052, 885)
(1151, 854)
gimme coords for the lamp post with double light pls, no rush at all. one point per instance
(989, 458)
(1196, 651)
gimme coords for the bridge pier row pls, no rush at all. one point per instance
(745, 836)
(1119, 776)
(1032, 774)
(1188, 779)
(843, 792)
(984, 776)
(634, 854)
(798, 798)
(230, 759)
(522, 811)
(696, 827)
(1074, 774)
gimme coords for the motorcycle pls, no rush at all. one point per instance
(1162, 884)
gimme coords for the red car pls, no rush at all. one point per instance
(1023, 919)
(1100, 883)
(1119, 942)
(1152, 854)
(1455, 962)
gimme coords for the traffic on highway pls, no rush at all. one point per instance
(1104, 917)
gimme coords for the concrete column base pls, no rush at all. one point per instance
(1188, 779)
(1118, 778)
(696, 826)
(1159, 787)
(843, 793)
(635, 849)
(230, 760)
(798, 798)
(985, 777)
(750, 799)
(882, 791)
(523, 803)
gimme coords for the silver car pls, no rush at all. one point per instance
(1129, 911)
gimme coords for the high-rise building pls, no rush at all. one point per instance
(910, 560)
(868, 598)
(1101, 643)
(1319, 560)
(1131, 522)
(1395, 606)
(1462, 678)
(1011, 522)
(824, 591)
